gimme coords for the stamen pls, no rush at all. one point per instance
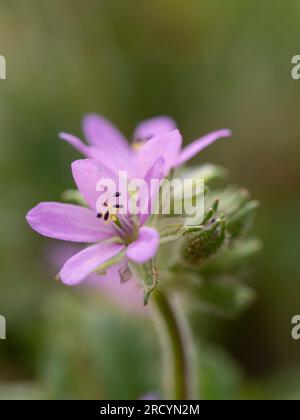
(109, 214)
(117, 194)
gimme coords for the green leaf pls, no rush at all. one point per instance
(237, 257)
(211, 212)
(231, 199)
(210, 173)
(225, 298)
(240, 221)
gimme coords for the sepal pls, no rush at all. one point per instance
(147, 274)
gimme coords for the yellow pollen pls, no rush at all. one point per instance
(137, 145)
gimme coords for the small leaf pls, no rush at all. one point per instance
(210, 173)
(238, 256)
(240, 221)
(225, 298)
(211, 212)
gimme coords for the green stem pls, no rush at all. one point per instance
(176, 347)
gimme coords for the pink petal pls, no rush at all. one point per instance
(145, 247)
(128, 296)
(152, 127)
(104, 157)
(156, 172)
(87, 173)
(103, 135)
(67, 222)
(78, 267)
(88, 151)
(195, 147)
(165, 145)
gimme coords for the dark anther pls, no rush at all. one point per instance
(213, 220)
(99, 215)
(118, 206)
(106, 216)
(117, 194)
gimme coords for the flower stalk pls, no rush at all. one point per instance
(177, 351)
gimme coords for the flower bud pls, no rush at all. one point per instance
(204, 243)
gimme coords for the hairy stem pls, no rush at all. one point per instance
(176, 348)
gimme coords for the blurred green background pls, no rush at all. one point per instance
(210, 64)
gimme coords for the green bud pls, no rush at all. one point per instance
(201, 245)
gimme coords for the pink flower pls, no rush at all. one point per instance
(154, 138)
(129, 239)
(156, 149)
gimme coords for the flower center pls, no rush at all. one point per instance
(127, 227)
(137, 145)
(110, 212)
